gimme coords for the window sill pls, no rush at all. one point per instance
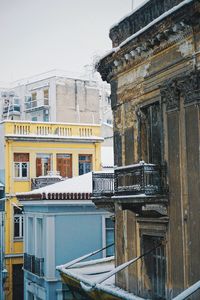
(22, 179)
(18, 239)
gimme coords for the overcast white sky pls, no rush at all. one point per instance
(39, 35)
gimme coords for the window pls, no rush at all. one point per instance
(43, 164)
(109, 236)
(64, 164)
(85, 164)
(34, 99)
(34, 119)
(21, 165)
(18, 223)
(46, 97)
(109, 121)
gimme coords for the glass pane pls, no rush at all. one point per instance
(24, 170)
(109, 240)
(109, 223)
(17, 170)
(16, 226)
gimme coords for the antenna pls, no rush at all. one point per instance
(132, 4)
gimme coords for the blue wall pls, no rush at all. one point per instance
(77, 235)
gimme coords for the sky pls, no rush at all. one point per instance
(41, 35)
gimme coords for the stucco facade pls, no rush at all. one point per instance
(29, 150)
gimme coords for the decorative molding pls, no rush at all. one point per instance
(187, 86)
(170, 95)
(140, 49)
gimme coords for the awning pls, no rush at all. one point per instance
(95, 279)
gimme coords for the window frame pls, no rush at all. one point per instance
(20, 177)
(104, 231)
(21, 225)
(84, 162)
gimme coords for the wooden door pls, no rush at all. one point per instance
(18, 282)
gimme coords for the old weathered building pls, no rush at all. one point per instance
(154, 72)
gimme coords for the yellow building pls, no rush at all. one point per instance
(30, 150)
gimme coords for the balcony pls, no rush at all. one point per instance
(55, 131)
(12, 109)
(134, 185)
(138, 179)
(103, 189)
(42, 181)
(34, 264)
(36, 104)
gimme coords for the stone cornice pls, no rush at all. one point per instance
(139, 19)
(143, 47)
(159, 36)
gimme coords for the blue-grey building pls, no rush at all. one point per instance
(60, 224)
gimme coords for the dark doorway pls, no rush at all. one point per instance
(155, 265)
(18, 282)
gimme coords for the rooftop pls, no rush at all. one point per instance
(76, 188)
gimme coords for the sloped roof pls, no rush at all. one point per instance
(76, 188)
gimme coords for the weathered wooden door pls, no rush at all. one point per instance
(155, 266)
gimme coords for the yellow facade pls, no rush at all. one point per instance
(33, 138)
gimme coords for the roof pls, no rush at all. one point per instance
(76, 188)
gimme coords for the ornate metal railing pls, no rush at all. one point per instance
(34, 264)
(141, 178)
(103, 184)
(42, 181)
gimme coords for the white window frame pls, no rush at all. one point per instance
(104, 232)
(20, 170)
(21, 222)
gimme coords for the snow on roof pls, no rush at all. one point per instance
(77, 185)
(155, 21)
(130, 13)
(107, 156)
(89, 273)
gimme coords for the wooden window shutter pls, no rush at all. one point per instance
(38, 167)
(69, 167)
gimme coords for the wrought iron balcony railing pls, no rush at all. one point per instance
(42, 181)
(103, 184)
(34, 264)
(137, 179)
